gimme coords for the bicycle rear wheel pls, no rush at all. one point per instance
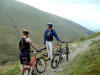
(67, 57)
(26, 71)
(40, 65)
(67, 52)
(55, 61)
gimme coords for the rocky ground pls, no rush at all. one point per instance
(74, 51)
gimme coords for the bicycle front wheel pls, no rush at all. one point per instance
(34, 72)
(26, 71)
(40, 65)
(55, 61)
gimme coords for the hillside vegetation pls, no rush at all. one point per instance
(87, 63)
(90, 37)
(16, 16)
(10, 69)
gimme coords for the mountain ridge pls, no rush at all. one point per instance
(16, 16)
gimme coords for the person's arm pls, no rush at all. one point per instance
(45, 38)
(56, 36)
(32, 43)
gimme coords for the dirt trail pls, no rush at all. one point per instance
(74, 51)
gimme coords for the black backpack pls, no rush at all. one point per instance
(21, 44)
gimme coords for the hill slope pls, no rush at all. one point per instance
(15, 16)
(86, 62)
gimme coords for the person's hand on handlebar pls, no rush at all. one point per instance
(39, 51)
(62, 42)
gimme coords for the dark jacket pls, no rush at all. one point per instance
(48, 35)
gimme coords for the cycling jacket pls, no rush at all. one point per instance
(48, 35)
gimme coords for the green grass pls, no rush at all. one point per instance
(16, 16)
(90, 37)
(10, 69)
(87, 63)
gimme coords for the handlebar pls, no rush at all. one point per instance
(38, 50)
(67, 42)
(43, 48)
(61, 43)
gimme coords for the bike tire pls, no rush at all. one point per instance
(67, 53)
(67, 57)
(26, 71)
(40, 65)
(55, 62)
(34, 72)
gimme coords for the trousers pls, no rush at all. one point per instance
(49, 45)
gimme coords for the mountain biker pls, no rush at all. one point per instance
(24, 46)
(48, 39)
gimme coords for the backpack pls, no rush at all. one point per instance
(21, 44)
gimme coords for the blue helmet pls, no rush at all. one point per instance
(50, 24)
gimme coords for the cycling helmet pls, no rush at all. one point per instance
(50, 24)
(25, 32)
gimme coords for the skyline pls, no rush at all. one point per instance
(83, 12)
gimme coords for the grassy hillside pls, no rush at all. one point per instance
(10, 69)
(15, 16)
(90, 37)
(87, 63)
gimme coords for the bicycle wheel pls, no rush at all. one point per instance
(66, 56)
(40, 65)
(26, 71)
(34, 72)
(67, 52)
(55, 61)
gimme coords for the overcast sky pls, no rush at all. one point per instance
(84, 12)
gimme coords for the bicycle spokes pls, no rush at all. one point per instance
(26, 72)
(41, 65)
(39, 62)
(34, 72)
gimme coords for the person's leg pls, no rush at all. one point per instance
(28, 61)
(51, 47)
(22, 65)
(48, 51)
(21, 68)
(28, 66)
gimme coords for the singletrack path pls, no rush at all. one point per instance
(74, 51)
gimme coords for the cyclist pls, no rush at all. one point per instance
(48, 39)
(24, 46)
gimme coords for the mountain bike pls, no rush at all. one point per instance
(37, 64)
(59, 54)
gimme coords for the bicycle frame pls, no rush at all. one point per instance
(34, 64)
(60, 48)
(59, 55)
(33, 61)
